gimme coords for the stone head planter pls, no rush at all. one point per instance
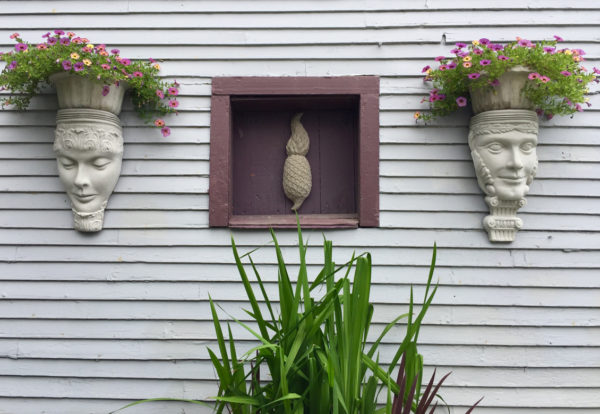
(88, 146)
(503, 147)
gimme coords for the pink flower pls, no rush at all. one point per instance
(443, 67)
(474, 75)
(451, 65)
(425, 69)
(159, 123)
(565, 73)
(545, 79)
(495, 82)
(52, 41)
(455, 51)
(495, 47)
(549, 49)
(65, 41)
(78, 67)
(439, 58)
(46, 35)
(160, 94)
(533, 75)
(485, 62)
(12, 65)
(42, 46)
(151, 60)
(166, 131)
(558, 38)
(173, 91)
(105, 66)
(105, 90)
(138, 74)
(76, 40)
(461, 45)
(461, 101)
(59, 32)
(67, 65)
(524, 42)
(502, 57)
(14, 35)
(125, 62)
(484, 41)
(462, 53)
(579, 108)
(478, 51)
(173, 103)
(21, 47)
(115, 51)
(596, 70)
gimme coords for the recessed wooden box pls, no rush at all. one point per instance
(250, 126)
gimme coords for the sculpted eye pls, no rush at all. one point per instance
(101, 163)
(495, 147)
(527, 147)
(66, 163)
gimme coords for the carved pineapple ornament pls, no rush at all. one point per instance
(297, 178)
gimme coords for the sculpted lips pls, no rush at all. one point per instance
(84, 198)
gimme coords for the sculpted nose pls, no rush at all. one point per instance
(81, 178)
(515, 160)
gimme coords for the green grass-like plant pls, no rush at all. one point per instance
(316, 349)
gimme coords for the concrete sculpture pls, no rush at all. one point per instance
(297, 177)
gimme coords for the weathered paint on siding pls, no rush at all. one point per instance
(90, 322)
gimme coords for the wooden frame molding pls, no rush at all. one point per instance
(221, 170)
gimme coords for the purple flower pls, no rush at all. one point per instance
(461, 45)
(443, 67)
(125, 62)
(462, 53)
(138, 74)
(461, 101)
(52, 41)
(21, 47)
(524, 42)
(67, 65)
(173, 91)
(12, 65)
(579, 108)
(160, 94)
(502, 57)
(440, 97)
(478, 51)
(484, 41)
(439, 58)
(173, 103)
(495, 82)
(455, 51)
(105, 90)
(474, 75)
(115, 51)
(59, 32)
(451, 65)
(46, 35)
(549, 49)
(166, 131)
(65, 41)
(78, 67)
(485, 62)
(596, 70)
(496, 47)
(559, 39)
(579, 52)
(565, 73)
(425, 69)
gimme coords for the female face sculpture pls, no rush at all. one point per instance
(510, 160)
(89, 164)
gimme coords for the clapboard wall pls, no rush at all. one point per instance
(89, 322)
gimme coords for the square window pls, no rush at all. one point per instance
(250, 127)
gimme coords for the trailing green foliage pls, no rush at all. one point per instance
(557, 85)
(316, 351)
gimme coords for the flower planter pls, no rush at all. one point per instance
(508, 94)
(503, 147)
(88, 146)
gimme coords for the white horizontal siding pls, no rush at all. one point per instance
(91, 322)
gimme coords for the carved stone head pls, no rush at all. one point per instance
(89, 156)
(503, 146)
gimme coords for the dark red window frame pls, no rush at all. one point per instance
(221, 192)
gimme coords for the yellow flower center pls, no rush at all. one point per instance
(467, 59)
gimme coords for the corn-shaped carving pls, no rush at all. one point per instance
(297, 178)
